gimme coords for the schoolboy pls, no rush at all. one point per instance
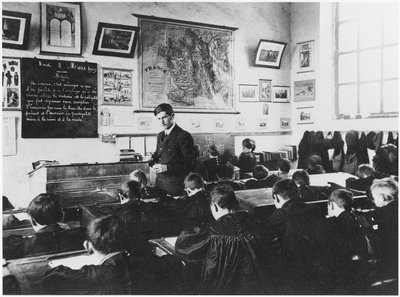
(146, 191)
(225, 174)
(284, 168)
(260, 179)
(247, 159)
(307, 192)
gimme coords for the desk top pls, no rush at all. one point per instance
(255, 197)
(323, 179)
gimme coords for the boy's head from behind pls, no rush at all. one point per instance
(213, 151)
(193, 181)
(339, 201)
(249, 144)
(223, 200)
(139, 176)
(283, 191)
(106, 234)
(131, 190)
(301, 178)
(384, 191)
(225, 171)
(260, 172)
(284, 165)
(365, 170)
(45, 209)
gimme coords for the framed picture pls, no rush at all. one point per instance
(117, 86)
(248, 93)
(11, 77)
(219, 124)
(144, 123)
(265, 90)
(265, 110)
(61, 28)
(115, 40)
(304, 90)
(16, 29)
(169, 49)
(281, 94)
(195, 124)
(306, 56)
(305, 115)
(241, 124)
(285, 123)
(262, 124)
(269, 53)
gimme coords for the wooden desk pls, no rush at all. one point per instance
(29, 271)
(326, 178)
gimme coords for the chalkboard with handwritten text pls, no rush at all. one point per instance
(59, 99)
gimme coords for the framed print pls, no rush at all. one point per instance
(117, 86)
(144, 123)
(304, 90)
(248, 93)
(285, 123)
(115, 40)
(219, 124)
(265, 90)
(195, 124)
(305, 115)
(265, 109)
(281, 94)
(262, 124)
(61, 28)
(306, 56)
(16, 29)
(269, 53)
(11, 81)
(241, 124)
(188, 65)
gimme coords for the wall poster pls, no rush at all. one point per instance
(186, 64)
(11, 82)
(117, 86)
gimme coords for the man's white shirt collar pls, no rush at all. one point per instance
(167, 131)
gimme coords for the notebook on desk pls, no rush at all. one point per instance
(76, 262)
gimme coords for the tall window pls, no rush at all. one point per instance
(367, 60)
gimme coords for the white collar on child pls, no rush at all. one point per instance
(108, 256)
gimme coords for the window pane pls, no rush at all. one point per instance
(370, 65)
(347, 68)
(390, 96)
(348, 11)
(370, 33)
(347, 37)
(390, 62)
(390, 25)
(348, 99)
(370, 98)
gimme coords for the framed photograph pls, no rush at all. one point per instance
(269, 53)
(265, 109)
(144, 123)
(305, 115)
(281, 94)
(61, 28)
(241, 124)
(306, 56)
(248, 93)
(265, 90)
(169, 49)
(11, 81)
(195, 124)
(219, 124)
(117, 86)
(304, 90)
(115, 40)
(285, 123)
(262, 124)
(16, 29)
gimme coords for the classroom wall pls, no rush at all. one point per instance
(255, 21)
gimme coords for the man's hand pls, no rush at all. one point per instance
(159, 168)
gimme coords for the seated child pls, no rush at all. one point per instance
(284, 168)
(260, 179)
(225, 175)
(366, 175)
(51, 236)
(315, 165)
(229, 247)
(146, 191)
(112, 275)
(307, 192)
(212, 163)
(247, 159)
(385, 160)
(200, 167)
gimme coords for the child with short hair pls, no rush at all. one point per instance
(284, 168)
(315, 165)
(366, 175)
(146, 191)
(260, 179)
(51, 236)
(106, 239)
(307, 192)
(247, 159)
(212, 163)
(225, 175)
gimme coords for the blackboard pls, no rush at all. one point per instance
(59, 99)
(222, 141)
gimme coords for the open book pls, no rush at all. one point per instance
(76, 262)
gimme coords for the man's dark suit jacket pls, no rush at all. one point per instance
(175, 151)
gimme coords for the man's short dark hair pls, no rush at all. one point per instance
(284, 165)
(301, 177)
(164, 107)
(287, 189)
(194, 181)
(260, 172)
(343, 198)
(224, 196)
(45, 209)
(225, 171)
(107, 234)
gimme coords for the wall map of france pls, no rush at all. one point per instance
(189, 67)
(59, 99)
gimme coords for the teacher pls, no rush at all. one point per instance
(174, 156)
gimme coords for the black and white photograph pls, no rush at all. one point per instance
(200, 149)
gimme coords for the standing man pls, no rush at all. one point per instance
(174, 156)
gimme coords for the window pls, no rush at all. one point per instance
(367, 60)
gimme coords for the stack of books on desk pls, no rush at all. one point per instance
(289, 152)
(129, 155)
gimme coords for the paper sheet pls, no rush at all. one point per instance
(75, 262)
(171, 240)
(9, 136)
